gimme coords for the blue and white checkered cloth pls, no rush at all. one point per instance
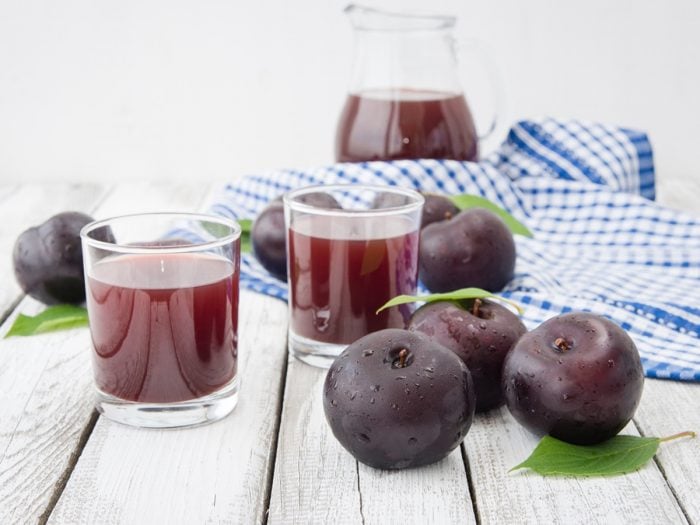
(600, 244)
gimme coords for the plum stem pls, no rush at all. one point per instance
(403, 354)
(687, 433)
(475, 307)
(561, 344)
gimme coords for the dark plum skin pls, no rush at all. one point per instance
(475, 248)
(269, 240)
(319, 200)
(577, 377)
(480, 332)
(437, 208)
(269, 235)
(48, 259)
(394, 417)
(387, 200)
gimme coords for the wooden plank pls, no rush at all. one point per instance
(670, 407)
(213, 473)
(49, 403)
(497, 442)
(437, 493)
(29, 205)
(317, 481)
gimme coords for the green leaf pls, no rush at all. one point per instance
(466, 201)
(618, 455)
(246, 246)
(214, 228)
(220, 230)
(54, 318)
(457, 295)
(246, 225)
(246, 228)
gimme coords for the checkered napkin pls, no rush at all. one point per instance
(600, 244)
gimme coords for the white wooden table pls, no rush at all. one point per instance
(274, 459)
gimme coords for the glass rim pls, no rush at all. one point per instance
(380, 20)
(418, 200)
(232, 236)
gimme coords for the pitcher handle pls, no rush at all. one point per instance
(485, 55)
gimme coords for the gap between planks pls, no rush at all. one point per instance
(667, 408)
(663, 474)
(275, 439)
(470, 482)
(72, 461)
(10, 309)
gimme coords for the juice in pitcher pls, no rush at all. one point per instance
(406, 124)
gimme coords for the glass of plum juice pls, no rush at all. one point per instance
(162, 299)
(350, 248)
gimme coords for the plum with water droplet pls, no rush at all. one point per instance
(577, 377)
(473, 249)
(394, 399)
(48, 260)
(480, 333)
(269, 235)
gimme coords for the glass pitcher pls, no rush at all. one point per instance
(405, 100)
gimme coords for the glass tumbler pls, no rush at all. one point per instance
(162, 299)
(350, 249)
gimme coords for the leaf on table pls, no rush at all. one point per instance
(467, 201)
(54, 318)
(456, 295)
(618, 455)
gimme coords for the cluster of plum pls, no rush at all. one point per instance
(457, 248)
(403, 398)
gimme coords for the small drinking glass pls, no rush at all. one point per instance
(350, 249)
(162, 299)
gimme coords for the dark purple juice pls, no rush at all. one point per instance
(405, 124)
(342, 271)
(164, 326)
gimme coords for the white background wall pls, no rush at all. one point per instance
(210, 89)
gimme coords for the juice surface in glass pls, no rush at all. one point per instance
(164, 326)
(342, 271)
